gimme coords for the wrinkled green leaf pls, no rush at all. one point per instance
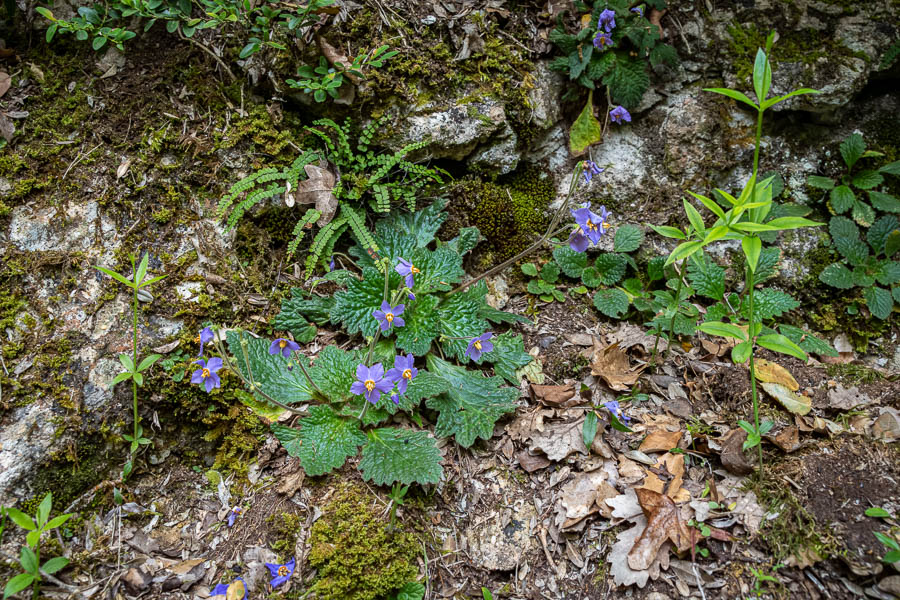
(612, 303)
(400, 455)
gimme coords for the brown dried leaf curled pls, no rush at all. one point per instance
(663, 523)
(317, 189)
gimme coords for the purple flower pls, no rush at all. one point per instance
(619, 114)
(613, 407)
(403, 372)
(589, 223)
(639, 10)
(602, 40)
(578, 241)
(204, 337)
(480, 345)
(331, 264)
(411, 296)
(590, 169)
(395, 399)
(233, 514)
(206, 374)
(388, 316)
(407, 270)
(607, 20)
(284, 347)
(371, 382)
(281, 573)
(236, 587)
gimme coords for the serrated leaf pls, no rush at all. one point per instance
(845, 235)
(354, 306)
(324, 441)
(879, 301)
(627, 80)
(421, 226)
(465, 241)
(500, 316)
(334, 371)
(628, 238)
(550, 272)
(866, 180)
(852, 149)
(892, 168)
(863, 214)
(400, 455)
(421, 325)
(842, 199)
(880, 230)
(508, 356)
(612, 303)
(892, 244)
(862, 277)
(460, 317)
(425, 385)
(469, 409)
(888, 272)
(822, 183)
(611, 267)
(769, 303)
(767, 267)
(655, 268)
(571, 262)
(706, 277)
(837, 275)
(269, 371)
(807, 342)
(885, 202)
(297, 309)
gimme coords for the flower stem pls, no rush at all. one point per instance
(677, 305)
(35, 590)
(551, 230)
(750, 284)
(134, 358)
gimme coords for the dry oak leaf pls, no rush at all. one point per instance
(771, 372)
(668, 475)
(663, 524)
(316, 189)
(660, 440)
(555, 395)
(559, 440)
(5, 82)
(612, 364)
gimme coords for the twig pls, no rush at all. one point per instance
(78, 159)
(203, 47)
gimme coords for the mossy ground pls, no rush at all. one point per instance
(357, 556)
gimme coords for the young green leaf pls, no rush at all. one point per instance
(589, 428)
(55, 564)
(611, 267)
(17, 584)
(852, 149)
(529, 269)
(877, 512)
(683, 250)
(879, 301)
(571, 262)
(822, 183)
(741, 352)
(734, 94)
(773, 101)
(669, 232)
(21, 519)
(723, 330)
(628, 238)
(613, 302)
(694, 217)
(43, 511)
(28, 560)
(148, 362)
(115, 276)
(752, 246)
(780, 343)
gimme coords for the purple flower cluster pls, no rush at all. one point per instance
(602, 40)
(589, 228)
(607, 20)
(372, 381)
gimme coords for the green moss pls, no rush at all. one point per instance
(804, 46)
(356, 555)
(70, 474)
(283, 531)
(853, 374)
(510, 213)
(163, 215)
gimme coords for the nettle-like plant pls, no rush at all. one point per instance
(615, 48)
(339, 181)
(609, 268)
(863, 263)
(422, 335)
(744, 221)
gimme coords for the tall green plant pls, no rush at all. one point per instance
(30, 554)
(134, 369)
(744, 220)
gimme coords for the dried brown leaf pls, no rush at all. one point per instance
(663, 524)
(612, 364)
(335, 56)
(559, 440)
(660, 440)
(667, 477)
(732, 456)
(5, 82)
(317, 189)
(7, 129)
(555, 395)
(532, 462)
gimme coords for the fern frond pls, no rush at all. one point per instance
(382, 197)
(329, 143)
(358, 225)
(239, 188)
(890, 56)
(320, 243)
(250, 201)
(311, 216)
(365, 138)
(341, 150)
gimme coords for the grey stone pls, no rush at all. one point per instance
(499, 543)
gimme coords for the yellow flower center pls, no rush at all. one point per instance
(591, 225)
(606, 226)
(370, 384)
(282, 343)
(197, 339)
(413, 269)
(205, 373)
(477, 344)
(282, 571)
(389, 317)
(407, 374)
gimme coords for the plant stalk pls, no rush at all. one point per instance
(751, 283)
(672, 322)
(134, 358)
